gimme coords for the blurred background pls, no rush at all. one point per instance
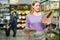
(23, 8)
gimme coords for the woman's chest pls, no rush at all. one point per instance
(35, 19)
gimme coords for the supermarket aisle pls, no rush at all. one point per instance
(20, 36)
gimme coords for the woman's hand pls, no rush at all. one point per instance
(28, 30)
(46, 20)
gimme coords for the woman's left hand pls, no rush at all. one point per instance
(48, 21)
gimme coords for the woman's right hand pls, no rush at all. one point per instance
(46, 21)
(28, 30)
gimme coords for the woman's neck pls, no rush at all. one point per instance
(36, 13)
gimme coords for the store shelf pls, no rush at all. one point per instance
(4, 13)
(53, 5)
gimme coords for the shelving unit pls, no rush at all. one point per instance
(4, 11)
(4, 14)
(53, 6)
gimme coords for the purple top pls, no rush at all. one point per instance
(33, 21)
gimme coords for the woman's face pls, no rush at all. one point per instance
(36, 7)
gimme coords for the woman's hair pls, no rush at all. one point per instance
(32, 9)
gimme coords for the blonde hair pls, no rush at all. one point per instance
(32, 9)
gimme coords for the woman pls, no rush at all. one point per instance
(35, 22)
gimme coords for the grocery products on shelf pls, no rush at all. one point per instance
(22, 10)
(53, 5)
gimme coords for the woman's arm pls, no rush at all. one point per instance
(26, 31)
(46, 20)
(27, 22)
